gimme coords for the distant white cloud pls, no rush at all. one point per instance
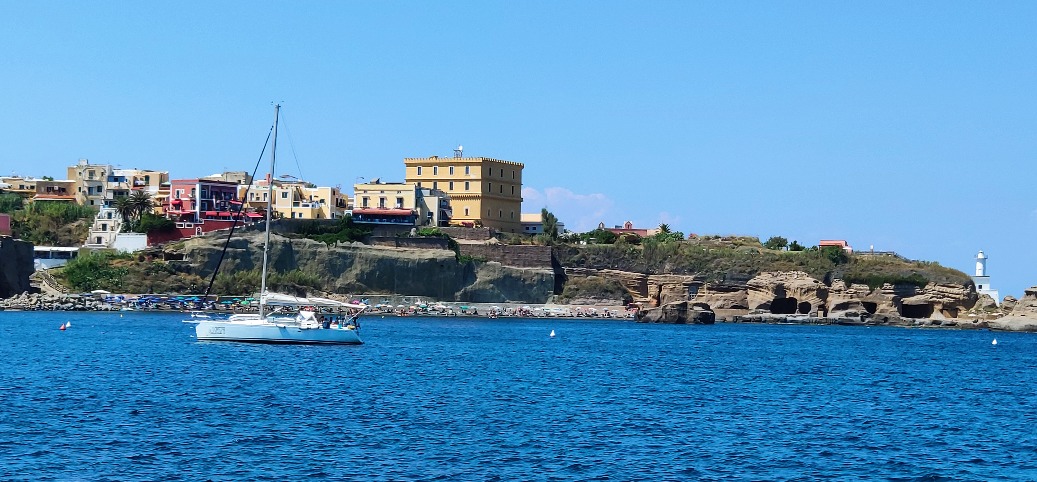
(579, 212)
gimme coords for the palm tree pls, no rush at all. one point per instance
(126, 209)
(142, 203)
(664, 228)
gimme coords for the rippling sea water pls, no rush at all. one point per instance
(136, 397)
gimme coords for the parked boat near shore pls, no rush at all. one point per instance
(319, 320)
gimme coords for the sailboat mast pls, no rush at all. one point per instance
(269, 208)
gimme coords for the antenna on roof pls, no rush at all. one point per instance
(458, 151)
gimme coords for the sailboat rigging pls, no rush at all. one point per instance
(319, 320)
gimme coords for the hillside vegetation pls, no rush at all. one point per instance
(739, 259)
(47, 223)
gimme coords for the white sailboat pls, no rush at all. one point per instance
(319, 320)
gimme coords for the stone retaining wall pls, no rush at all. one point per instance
(407, 242)
(518, 256)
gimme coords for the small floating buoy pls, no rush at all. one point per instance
(68, 324)
(994, 342)
(62, 327)
(552, 333)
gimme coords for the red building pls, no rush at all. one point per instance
(5, 225)
(201, 205)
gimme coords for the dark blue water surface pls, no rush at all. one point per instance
(136, 397)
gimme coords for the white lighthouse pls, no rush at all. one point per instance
(982, 280)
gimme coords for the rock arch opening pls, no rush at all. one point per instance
(784, 306)
(924, 310)
(804, 308)
(870, 307)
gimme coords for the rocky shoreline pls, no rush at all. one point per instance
(683, 314)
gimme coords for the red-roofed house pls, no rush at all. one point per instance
(628, 228)
(839, 243)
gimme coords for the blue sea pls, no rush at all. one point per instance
(135, 396)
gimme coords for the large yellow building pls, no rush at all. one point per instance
(483, 191)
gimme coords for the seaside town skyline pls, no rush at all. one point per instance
(883, 124)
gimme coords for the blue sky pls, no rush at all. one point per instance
(909, 126)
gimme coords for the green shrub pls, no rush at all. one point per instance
(776, 242)
(153, 223)
(343, 231)
(95, 271)
(876, 280)
(10, 202)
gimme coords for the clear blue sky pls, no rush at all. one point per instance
(909, 126)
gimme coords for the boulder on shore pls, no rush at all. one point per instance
(679, 312)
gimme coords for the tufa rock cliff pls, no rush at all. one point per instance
(1023, 316)
(16, 266)
(795, 292)
(348, 269)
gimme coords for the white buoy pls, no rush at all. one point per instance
(994, 342)
(552, 333)
(68, 324)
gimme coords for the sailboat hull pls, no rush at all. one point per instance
(273, 333)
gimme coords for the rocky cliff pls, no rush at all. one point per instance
(796, 293)
(357, 268)
(15, 266)
(1023, 316)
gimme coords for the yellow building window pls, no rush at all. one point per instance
(467, 186)
(451, 184)
(435, 170)
(419, 170)
(451, 170)
(468, 170)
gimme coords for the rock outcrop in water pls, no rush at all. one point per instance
(16, 266)
(679, 312)
(1023, 316)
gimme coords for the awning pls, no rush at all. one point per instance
(225, 213)
(383, 211)
(210, 213)
(254, 215)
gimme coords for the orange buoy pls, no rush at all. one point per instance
(62, 327)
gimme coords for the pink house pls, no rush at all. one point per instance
(199, 206)
(5, 225)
